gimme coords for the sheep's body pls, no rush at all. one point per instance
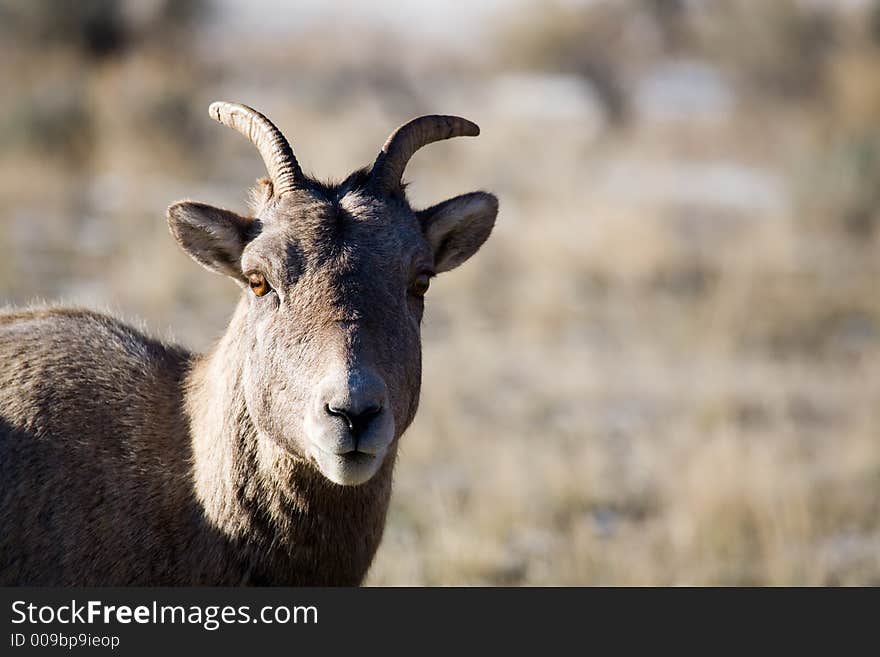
(97, 478)
(91, 426)
(268, 460)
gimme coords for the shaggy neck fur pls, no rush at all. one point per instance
(273, 510)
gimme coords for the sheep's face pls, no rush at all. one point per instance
(333, 280)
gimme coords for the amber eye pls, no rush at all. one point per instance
(420, 285)
(258, 284)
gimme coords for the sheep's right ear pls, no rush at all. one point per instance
(213, 237)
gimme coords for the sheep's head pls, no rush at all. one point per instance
(333, 280)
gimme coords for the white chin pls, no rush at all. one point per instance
(350, 469)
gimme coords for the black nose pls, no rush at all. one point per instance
(357, 420)
(358, 397)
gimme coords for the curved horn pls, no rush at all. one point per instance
(277, 155)
(410, 137)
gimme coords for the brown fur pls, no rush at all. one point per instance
(124, 460)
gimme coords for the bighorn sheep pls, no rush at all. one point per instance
(267, 460)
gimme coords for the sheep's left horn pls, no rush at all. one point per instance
(410, 137)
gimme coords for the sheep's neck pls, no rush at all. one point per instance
(270, 508)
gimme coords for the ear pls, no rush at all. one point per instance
(213, 237)
(456, 228)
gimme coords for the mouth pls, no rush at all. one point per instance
(357, 457)
(349, 468)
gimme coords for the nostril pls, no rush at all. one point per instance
(357, 422)
(338, 412)
(370, 411)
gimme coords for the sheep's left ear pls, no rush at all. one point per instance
(457, 228)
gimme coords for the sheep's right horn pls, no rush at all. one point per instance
(277, 155)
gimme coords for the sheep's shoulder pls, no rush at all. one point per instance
(77, 372)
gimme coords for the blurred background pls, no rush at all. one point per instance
(663, 367)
